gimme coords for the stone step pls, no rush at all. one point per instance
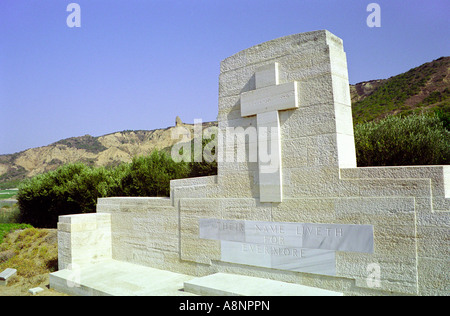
(118, 278)
(223, 284)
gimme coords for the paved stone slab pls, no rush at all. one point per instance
(117, 278)
(35, 290)
(223, 284)
(7, 274)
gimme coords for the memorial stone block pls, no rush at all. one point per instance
(300, 210)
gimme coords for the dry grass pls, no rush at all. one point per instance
(9, 214)
(34, 253)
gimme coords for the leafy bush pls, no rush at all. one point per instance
(151, 175)
(75, 188)
(206, 164)
(444, 116)
(400, 141)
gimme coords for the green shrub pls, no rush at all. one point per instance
(151, 175)
(400, 141)
(444, 116)
(205, 163)
(73, 188)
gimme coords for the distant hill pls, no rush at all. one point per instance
(424, 88)
(108, 150)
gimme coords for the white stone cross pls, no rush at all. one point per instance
(265, 102)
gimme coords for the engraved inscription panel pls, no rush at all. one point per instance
(303, 247)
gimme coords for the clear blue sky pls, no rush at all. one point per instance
(137, 64)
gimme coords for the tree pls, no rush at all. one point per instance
(151, 175)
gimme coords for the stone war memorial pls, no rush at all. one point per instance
(296, 216)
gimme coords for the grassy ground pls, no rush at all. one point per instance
(6, 228)
(33, 252)
(7, 194)
(8, 214)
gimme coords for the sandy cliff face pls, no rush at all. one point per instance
(111, 149)
(42, 159)
(3, 168)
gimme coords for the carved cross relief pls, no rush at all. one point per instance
(265, 101)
